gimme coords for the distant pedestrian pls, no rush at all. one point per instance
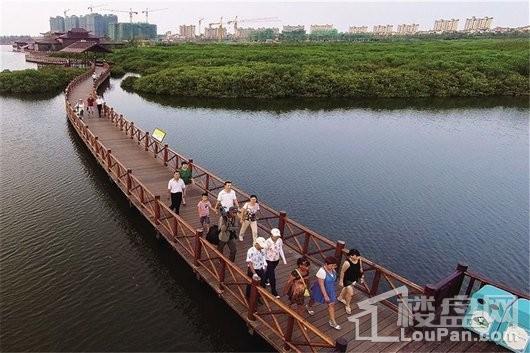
(203, 208)
(99, 102)
(90, 103)
(350, 273)
(249, 217)
(323, 289)
(185, 174)
(297, 286)
(94, 77)
(228, 233)
(227, 198)
(273, 252)
(256, 263)
(175, 188)
(79, 108)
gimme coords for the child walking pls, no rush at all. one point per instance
(203, 207)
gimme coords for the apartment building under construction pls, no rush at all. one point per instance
(475, 24)
(407, 29)
(358, 29)
(383, 29)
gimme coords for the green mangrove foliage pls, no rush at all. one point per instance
(426, 68)
(44, 80)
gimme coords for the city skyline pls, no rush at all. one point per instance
(341, 14)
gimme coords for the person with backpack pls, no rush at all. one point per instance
(228, 233)
(350, 273)
(226, 198)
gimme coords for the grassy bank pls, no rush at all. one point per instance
(482, 67)
(45, 80)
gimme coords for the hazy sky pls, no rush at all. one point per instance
(32, 17)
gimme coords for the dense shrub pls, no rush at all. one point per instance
(419, 68)
(45, 80)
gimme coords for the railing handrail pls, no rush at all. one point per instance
(483, 280)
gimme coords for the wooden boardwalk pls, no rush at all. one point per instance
(141, 168)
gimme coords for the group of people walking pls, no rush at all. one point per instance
(93, 102)
(263, 257)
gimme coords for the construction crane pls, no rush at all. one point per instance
(65, 12)
(200, 21)
(220, 23)
(130, 12)
(92, 7)
(146, 11)
(235, 21)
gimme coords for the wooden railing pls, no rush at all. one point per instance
(223, 275)
(226, 277)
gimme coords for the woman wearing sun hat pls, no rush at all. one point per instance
(273, 252)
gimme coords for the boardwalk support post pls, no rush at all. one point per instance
(132, 130)
(190, 165)
(198, 246)
(109, 163)
(339, 247)
(281, 222)
(375, 282)
(305, 247)
(155, 150)
(341, 345)
(129, 181)
(157, 209)
(146, 141)
(207, 182)
(222, 273)
(289, 332)
(165, 154)
(253, 299)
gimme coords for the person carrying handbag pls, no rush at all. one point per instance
(297, 288)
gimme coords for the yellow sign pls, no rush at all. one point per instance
(158, 134)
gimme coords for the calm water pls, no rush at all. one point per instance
(415, 186)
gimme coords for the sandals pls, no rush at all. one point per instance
(309, 311)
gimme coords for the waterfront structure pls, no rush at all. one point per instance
(407, 29)
(125, 152)
(131, 31)
(187, 31)
(57, 24)
(258, 34)
(320, 28)
(442, 25)
(475, 24)
(358, 29)
(56, 41)
(383, 29)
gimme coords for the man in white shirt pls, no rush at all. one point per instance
(256, 263)
(175, 187)
(227, 198)
(99, 104)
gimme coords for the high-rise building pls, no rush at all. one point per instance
(475, 24)
(319, 28)
(407, 29)
(358, 29)
(131, 31)
(383, 29)
(57, 24)
(215, 33)
(97, 24)
(71, 22)
(442, 25)
(187, 31)
(293, 28)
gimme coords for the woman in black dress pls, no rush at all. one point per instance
(350, 273)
